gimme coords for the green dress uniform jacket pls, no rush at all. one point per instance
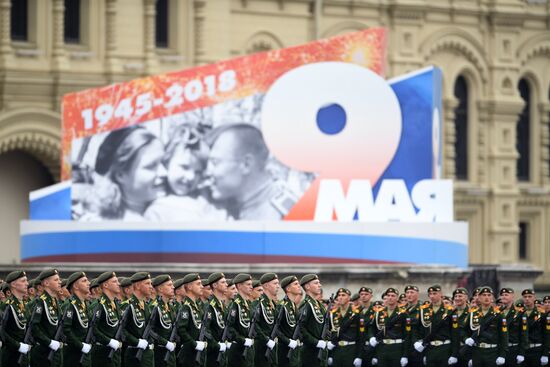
(140, 314)
(518, 339)
(75, 328)
(492, 342)
(163, 328)
(346, 335)
(311, 328)
(367, 318)
(417, 333)
(47, 318)
(188, 332)
(265, 324)
(437, 325)
(240, 314)
(105, 330)
(14, 331)
(536, 325)
(285, 334)
(216, 324)
(546, 338)
(461, 319)
(392, 330)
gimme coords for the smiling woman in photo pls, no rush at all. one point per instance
(132, 174)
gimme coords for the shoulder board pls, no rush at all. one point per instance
(449, 308)
(73, 301)
(377, 308)
(125, 302)
(238, 301)
(186, 303)
(333, 310)
(402, 309)
(102, 301)
(356, 309)
(540, 309)
(43, 297)
(473, 309)
(497, 310)
(9, 302)
(212, 303)
(154, 303)
(426, 305)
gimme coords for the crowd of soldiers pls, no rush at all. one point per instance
(145, 321)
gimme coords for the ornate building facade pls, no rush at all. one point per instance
(495, 57)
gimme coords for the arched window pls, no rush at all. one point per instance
(461, 129)
(523, 131)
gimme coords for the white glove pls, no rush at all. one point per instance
(330, 346)
(228, 345)
(520, 359)
(374, 361)
(373, 342)
(321, 344)
(470, 342)
(470, 363)
(142, 344)
(248, 342)
(424, 361)
(500, 361)
(24, 348)
(114, 344)
(419, 347)
(292, 344)
(404, 361)
(543, 360)
(270, 344)
(200, 346)
(452, 360)
(357, 362)
(54, 345)
(86, 348)
(329, 361)
(170, 346)
(222, 347)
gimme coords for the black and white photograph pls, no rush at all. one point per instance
(207, 164)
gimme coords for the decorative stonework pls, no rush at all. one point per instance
(262, 41)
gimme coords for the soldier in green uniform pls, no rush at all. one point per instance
(488, 332)
(140, 314)
(437, 331)
(518, 340)
(45, 323)
(257, 291)
(216, 321)
(367, 317)
(460, 321)
(191, 322)
(164, 323)
(107, 322)
(179, 294)
(312, 321)
(95, 295)
(206, 291)
(346, 334)
(266, 321)
(536, 326)
(546, 338)
(126, 288)
(241, 352)
(289, 305)
(390, 331)
(417, 333)
(230, 293)
(16, 322)
(76, 322)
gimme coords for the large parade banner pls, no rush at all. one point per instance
(299, 136)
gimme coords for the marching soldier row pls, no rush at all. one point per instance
(144, 321)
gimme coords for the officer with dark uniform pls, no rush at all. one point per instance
(437, 331)
(390, 332)
(460, 322)
(16, 321)
(107, 324)
(216, 321)
(266, 321)
(346, 335)
(518, 340)
(192, 313)
(140, 314)
(164, 322)
(488, 332)
(367, 317)
(537, 328)
(285, 335)
(76, 322)
(312, 321)
(417, 332)
(241, 352)
(46, 321)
